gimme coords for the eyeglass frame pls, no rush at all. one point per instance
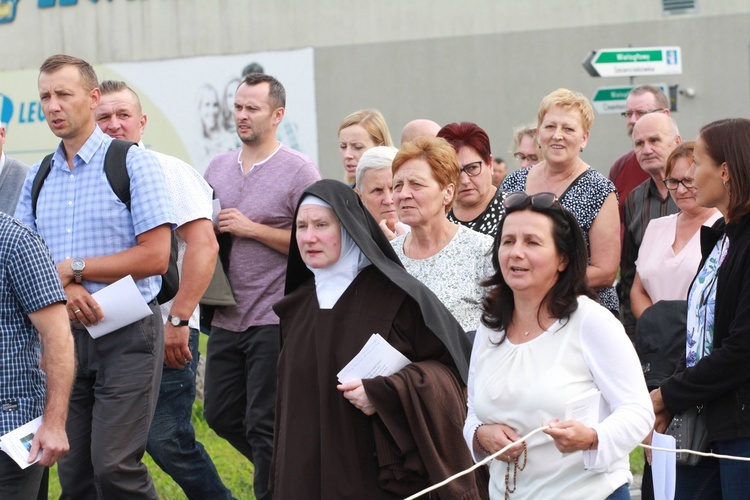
(521, 157)
(641, 114)
(678, 181)
(463, 170)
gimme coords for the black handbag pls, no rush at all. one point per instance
(690, 433)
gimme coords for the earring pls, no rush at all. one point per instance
(726, 186)
(581, 149)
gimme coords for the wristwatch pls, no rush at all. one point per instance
(177, 321)
(78, 265)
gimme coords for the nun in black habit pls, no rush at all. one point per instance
(384, 437)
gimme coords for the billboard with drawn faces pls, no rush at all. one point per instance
(189, 104)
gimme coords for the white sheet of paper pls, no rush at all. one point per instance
(376, 358)
(121, 303)
(17, 443)
(663, 465)
(584, 408)
(217, 209)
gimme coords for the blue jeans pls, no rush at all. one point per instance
(735, 475)
(171, 439)
(621, 493)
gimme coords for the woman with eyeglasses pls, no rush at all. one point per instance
(713, 374)
(670, 252)
(479, 204)
(542, 344)
(449, 258)
(525, 147)
(564, 123)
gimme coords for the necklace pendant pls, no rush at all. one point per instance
(527, 332)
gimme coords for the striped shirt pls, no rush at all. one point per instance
(29, 282)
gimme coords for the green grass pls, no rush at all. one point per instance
(235, 470)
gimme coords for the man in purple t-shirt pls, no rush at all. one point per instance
(258, 186)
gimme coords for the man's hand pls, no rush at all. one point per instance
(51, 441)
(234, 222)
(65, 271)
(81, 307)
(176, 351)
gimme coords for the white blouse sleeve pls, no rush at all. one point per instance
(617, 373)
(472, 421)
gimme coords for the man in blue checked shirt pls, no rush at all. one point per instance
(96, 240)
(32, 309)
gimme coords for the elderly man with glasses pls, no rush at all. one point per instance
(626, 174)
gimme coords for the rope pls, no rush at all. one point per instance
(477, 465)
(539, 429)
(703, 454)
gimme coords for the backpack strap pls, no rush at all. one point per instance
(36, 186)
(115, 167)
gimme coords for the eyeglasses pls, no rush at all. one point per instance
(639, 114)
(472, 169)
(523, 157)
(538, 200)
(673, 184)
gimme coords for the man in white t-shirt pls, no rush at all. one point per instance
(171, 439)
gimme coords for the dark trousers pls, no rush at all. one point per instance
(171, 440)
(111, 406)
(240, 394)
(17, 483)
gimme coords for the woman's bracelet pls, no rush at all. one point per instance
(479, 445)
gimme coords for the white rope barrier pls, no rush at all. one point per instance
(539, 429)
(477, 465)
(692, 452)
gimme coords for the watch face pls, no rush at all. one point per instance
(175, 321)
(77, 264)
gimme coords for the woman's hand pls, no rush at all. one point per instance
(354, 391)
(494, 437)
(657, 401)
(571, 435)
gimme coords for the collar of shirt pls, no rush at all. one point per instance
(84, 155)
(239, 162)
(2, 162)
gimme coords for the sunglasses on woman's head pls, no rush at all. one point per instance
(538, 200)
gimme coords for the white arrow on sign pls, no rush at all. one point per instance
(634, 61)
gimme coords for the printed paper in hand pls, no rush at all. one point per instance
(17, 443)
(584, 408)
(376, 358)
(121, 303)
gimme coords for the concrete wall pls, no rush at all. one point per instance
(488, 61)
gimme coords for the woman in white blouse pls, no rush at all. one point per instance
(670, 252)
(543, 342)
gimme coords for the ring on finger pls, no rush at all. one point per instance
(76, 311)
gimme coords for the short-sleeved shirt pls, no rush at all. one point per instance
(454, 273)
(487, 221)
(79, 216)
(268, 195)
(191, 196)
(29, 282)
(584, 199)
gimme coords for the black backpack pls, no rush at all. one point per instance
(119, 181)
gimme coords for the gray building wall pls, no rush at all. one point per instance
(488, 61)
